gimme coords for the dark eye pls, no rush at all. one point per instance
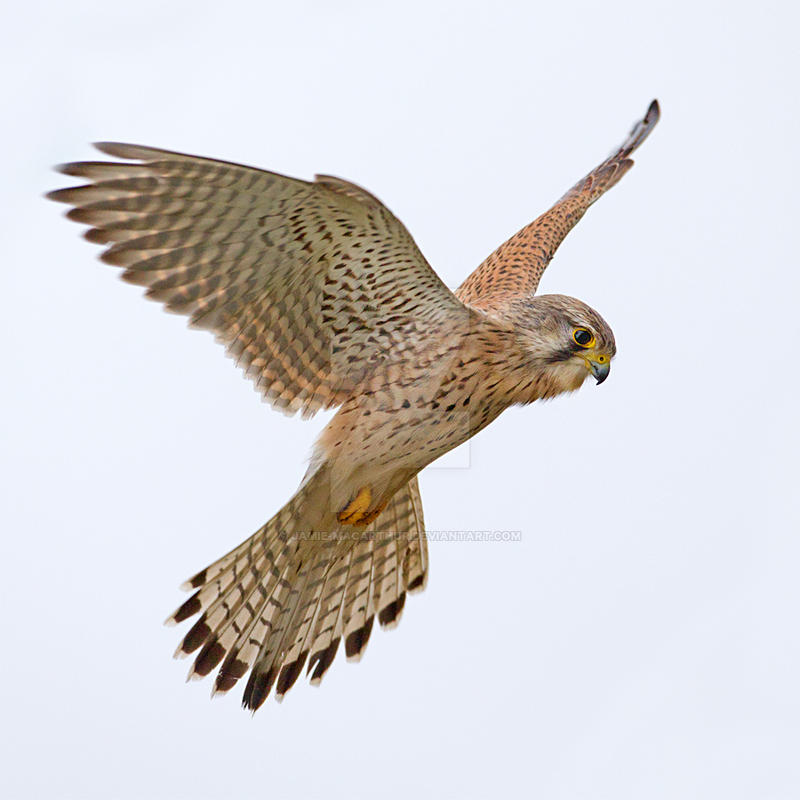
(583, 337)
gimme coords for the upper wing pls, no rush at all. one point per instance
(307, 284)
(516, 267)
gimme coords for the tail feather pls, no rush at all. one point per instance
(222, 599)
(327, 631)
(215, 580)
(415, 561)
(260, 682)
(245, 649)
(391, 597)
(223, 610)
(212, 571)
(235, 620)
(282, 595)
(270, 658)
(306, 617)
(275, 656)
(356, 622)
(298, 629)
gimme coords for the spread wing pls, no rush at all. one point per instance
(308, 285)
(515, 268)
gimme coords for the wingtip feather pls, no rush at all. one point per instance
(121, 149)
(69, 168)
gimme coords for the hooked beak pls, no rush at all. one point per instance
(599, 369)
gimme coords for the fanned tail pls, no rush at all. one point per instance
(290, 591)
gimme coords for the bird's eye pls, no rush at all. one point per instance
(583, 337)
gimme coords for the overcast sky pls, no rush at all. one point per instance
(640, 640)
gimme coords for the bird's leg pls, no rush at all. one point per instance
(357, 511)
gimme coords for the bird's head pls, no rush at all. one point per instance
(565, 340)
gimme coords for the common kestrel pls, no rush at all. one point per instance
(323, 298)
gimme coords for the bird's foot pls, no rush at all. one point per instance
(358, 512)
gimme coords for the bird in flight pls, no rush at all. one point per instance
(323, 298)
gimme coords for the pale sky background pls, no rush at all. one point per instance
(641, 640)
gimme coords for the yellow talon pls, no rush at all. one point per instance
(357, 508)
(358, 512)
(372, 515)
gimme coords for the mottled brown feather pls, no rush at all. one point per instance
(516, 267)
(306, 284)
